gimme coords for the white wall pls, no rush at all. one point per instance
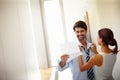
(73, 11)
(102, 13)
(18, 55)
(39, 33)
(109, 16)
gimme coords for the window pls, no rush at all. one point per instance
(54, 30)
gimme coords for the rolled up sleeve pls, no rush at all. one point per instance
(59, 68)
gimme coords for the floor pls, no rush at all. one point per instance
(45, 73)
(52, 74)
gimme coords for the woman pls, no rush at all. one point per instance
(105, 60)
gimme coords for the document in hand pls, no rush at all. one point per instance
(72, 49)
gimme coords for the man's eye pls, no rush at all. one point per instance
(82, 31)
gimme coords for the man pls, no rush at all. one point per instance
(80, 29)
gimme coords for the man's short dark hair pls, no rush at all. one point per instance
(80, 24)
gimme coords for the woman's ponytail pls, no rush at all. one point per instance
(113, 42)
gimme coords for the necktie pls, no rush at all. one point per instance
(90, 72)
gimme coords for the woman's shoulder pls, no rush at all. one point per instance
(104, 54)
(97, 56)
(98, 59)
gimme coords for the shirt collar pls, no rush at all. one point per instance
(88, 44)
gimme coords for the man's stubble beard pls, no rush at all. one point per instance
(81, 38)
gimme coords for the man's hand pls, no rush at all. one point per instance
(64, 59)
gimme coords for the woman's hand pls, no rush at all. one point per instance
(94, 49)
(80, 48)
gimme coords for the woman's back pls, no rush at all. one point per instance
(116, 70)
(104, 72)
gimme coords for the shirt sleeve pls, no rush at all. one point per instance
(59, 68)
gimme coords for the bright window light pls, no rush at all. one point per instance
(54, 30)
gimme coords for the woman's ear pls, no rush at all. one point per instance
(100, 41)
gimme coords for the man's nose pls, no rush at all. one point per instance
(79, 33)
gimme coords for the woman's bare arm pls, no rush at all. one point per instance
(94, 60)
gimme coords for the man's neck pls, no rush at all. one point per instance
(83, 42)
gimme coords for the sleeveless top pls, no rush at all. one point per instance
(104, 72)
(116, 70)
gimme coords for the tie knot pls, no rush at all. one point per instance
(86, 51)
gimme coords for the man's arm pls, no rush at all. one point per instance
(63, 64)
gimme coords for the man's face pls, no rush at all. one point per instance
(80, 33)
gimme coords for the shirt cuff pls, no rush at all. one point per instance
(59, 68)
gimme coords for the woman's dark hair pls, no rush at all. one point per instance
(108, 38)
(80, 24)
